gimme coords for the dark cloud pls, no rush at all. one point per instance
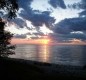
(1, 13)
(66, 37)
(38, 19)
(76, 25)
(35, 16)
(27, 10)
(83, 13)
(20, 36)
(83, 6)
(25, 4)
(68, 25)
(42, 18)
(62, 27)
(58, 37)
(20, 22)
(57, 3)
(77, 36)
(79, 5)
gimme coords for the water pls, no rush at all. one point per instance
(62, 54)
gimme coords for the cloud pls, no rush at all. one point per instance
(72, 24)
(62, 27)
(77, 36)
(83, 13)
(20, 22)
(1, 13)
(36, 17)
(71, 28)
(42, 18)
(20, 36)
(25, 4)
(57, 3)
(66, 37)
(83, 6)
(79, 5)
(39, 18)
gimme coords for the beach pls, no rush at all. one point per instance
(17, 69)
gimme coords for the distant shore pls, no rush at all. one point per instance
(26, 69)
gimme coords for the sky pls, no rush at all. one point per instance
(65, 19)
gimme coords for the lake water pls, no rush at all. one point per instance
(58, 54)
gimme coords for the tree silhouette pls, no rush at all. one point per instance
(11, 7)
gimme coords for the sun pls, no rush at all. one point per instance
(44, 41)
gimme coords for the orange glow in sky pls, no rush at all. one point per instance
(29, 41)
(44, 41)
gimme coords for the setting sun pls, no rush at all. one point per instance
(44, 41)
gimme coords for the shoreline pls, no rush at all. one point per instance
(26, 68)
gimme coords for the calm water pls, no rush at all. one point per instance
(72, 55)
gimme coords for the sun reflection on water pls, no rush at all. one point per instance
(44, 53)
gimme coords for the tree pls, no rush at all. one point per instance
(10, 6)
(5, 47)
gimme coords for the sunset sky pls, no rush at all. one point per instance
(65, 19)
